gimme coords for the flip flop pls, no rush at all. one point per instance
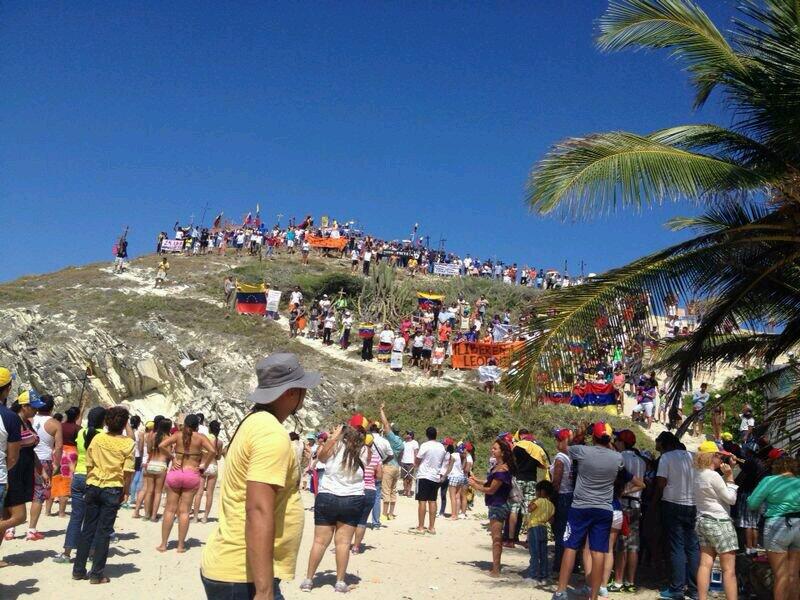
(415, 531)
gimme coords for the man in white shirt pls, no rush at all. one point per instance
(675, 488)
(296, 296)
(430, 458)
(367, 260)
(699, 399)
(410, 448)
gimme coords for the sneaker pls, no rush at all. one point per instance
(9, 535)
(62, 558)
(541, 582)
(33, 536)
(603, 593)
(341, 587)
(615, 587)
(629, 588)
(307, 585)
(667, 594)
(559, 596)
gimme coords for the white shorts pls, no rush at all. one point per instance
(290, 243)
(616, 521)
(647, 407)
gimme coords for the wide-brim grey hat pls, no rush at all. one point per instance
(280, 372)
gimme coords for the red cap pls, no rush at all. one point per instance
(562, 435)
(358, 420)
(775, 453)
(600, 429)
(448, 441)
(468, 446)
(627, 437)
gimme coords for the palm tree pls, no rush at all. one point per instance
(745, 258)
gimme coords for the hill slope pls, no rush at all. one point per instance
(176, 349)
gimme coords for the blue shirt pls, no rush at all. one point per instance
(10, 426)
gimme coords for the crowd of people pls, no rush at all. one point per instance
(610, 506)
(113, 461)
(254, 238)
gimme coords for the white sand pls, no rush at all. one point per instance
(396, 564)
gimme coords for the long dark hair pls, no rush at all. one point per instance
(95, 420)
(162, 431)
(353, 440)
(190, 424)
(508, 456)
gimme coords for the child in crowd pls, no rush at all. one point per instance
(437, 360)
(541, 511)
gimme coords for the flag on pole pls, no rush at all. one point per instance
(247, 220)
(217, 221)
(257, 222)
(251, 299)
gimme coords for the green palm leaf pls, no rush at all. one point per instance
(593, 174)
(679, 25)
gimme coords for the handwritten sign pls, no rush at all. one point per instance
(273, 299)
(445, 269)
(471, 355)
(171, 245)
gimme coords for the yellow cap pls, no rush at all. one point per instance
(24, 398)
(368, 439)
(708, 446)
(149, 424)
(727, 436)
(5, 377)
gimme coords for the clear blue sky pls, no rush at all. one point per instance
(120, 113)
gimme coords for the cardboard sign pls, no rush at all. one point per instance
(471, 355)
(171, 245)
(273, 299)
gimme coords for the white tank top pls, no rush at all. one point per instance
(567, 485)
(456, 471)
(44, 449)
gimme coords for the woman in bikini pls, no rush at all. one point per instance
(209, 475)
(184, 478)
(155, 471)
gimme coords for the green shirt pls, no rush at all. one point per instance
(397, 447)
(780, 492)
(80, 443)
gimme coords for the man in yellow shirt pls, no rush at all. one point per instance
(109, 467)
(256, 543)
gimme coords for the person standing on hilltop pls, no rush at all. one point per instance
(121, 255)
(257, 541)
(161, 272)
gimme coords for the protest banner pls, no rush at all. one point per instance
(471, 355)
(171, 245)
(273, 299)
(445, 269)
(323, 242)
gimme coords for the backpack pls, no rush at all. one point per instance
(515, 496)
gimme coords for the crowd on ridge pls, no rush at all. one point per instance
(609, 505)
(254, 238)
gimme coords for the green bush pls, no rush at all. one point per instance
(465, 413)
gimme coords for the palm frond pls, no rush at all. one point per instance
(679, 25)
(594, 174)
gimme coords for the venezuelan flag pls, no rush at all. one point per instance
(429, 301)
(251, 299)
(594, 394)
(366, 330)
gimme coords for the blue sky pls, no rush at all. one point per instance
(139, 114)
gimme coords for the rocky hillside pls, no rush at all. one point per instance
(173, 349)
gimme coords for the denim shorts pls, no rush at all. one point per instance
(3, 489)
(330, 509)
(368, 503)
(782, 534)
(223, 590)
(499, 513)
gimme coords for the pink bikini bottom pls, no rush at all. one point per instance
(183, 479)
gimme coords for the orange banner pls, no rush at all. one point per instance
(323, 242)
(471, 355)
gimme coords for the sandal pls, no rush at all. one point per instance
(99, 580)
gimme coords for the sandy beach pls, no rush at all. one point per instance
(396, 564)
